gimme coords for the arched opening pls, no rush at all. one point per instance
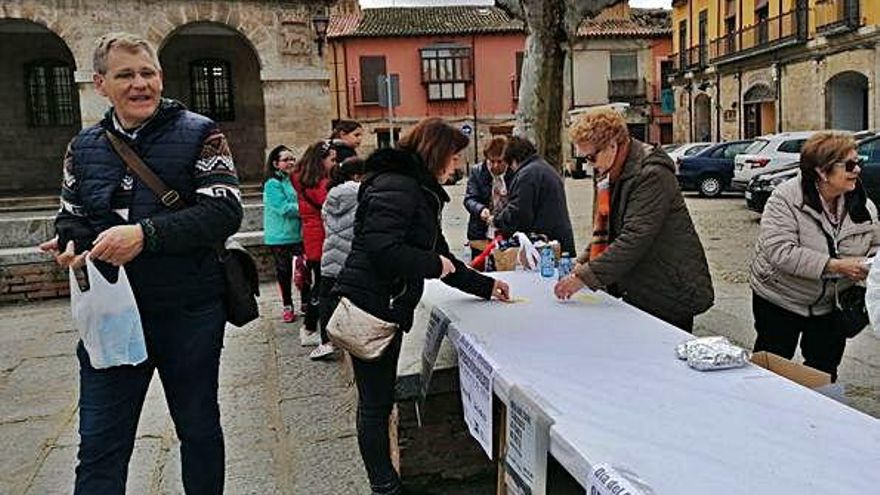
(759, 106)
(846, 101)
(703, 117)
(215, 71)
(39, 107)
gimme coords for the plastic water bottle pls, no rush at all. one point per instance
(565, 265)
(547, 266)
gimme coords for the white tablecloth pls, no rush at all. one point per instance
(609, 377)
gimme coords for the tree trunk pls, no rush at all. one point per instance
(551, 24)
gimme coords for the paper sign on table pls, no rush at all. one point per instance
(476, 373)
(605, 480)
(528, 441)
(438, 327)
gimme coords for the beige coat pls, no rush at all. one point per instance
(791, 251)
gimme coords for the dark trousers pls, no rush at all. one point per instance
(327, 305)
(311, 295)
(779, 330)
(184, 346)
(375, 383)
(283, 256)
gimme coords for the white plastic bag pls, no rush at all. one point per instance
(108, 320)
(528, 257)
(872, 297)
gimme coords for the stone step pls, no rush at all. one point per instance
(23, 230)
(250, 193)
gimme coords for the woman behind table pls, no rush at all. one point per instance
(794, 278)
(644, 247)
(281, 223)
(398, 243)
(338, 213)
(346, 138)
(310, 181)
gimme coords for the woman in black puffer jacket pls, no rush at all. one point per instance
(398, 243)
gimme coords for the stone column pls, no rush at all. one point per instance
(92, 105)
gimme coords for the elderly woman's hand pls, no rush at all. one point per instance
(852, 268)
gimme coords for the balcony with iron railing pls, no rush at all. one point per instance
(837, 16)
(776, 32)
(627, 90)
(693, 58)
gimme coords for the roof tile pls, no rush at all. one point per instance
(641, 23)
(423, 21)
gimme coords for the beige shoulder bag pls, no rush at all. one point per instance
(361, 334)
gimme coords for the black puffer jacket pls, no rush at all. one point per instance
(398, 240)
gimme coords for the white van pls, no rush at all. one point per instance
(766, 154)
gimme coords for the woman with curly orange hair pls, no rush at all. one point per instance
(644, 247)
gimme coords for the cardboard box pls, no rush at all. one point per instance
(798, 373)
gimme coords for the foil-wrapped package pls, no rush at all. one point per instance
(717, 356)
(684, 349)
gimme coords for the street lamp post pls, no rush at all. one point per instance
(320, 22)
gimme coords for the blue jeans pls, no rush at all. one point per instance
(184, 346)
(375, 382)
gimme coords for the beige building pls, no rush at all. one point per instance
(252, 66)
(621, 57)
(744, 68)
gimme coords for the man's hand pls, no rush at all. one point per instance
(566, 287)
(66, 259)
(485, 214)
(501, 291)
(119, 245)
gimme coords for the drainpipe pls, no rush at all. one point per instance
(739, 106)
(718, 107)
(778, 76)
(690, 90)
(476, 125)
(336, 82)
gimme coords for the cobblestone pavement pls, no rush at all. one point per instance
(289, 422)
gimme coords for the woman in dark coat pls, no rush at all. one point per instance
(398, 243)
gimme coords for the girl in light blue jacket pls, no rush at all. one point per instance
(282, 229)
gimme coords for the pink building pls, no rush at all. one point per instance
(459, 63)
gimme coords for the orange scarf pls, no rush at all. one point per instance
(602, 204)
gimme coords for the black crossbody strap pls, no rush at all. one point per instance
(167, 196)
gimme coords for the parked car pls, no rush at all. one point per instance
(762, 185)
(767, 154)
(710, 171)
(869, 152)
(676, 151)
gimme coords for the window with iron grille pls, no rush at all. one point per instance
(50, 94)
(211, 89)
(371, 68)
(520, 59)
(446, 71)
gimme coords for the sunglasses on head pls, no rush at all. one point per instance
(850, 165)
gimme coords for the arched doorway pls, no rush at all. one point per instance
(215, 71)
(702, 117)
(39, 107)
(846, 101)
(759, 104)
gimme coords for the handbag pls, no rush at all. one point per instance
(361, 334)
(850, 315)
(240, 275)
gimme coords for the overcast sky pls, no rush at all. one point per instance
(410, 3)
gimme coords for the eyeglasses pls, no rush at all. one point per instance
(851, 165)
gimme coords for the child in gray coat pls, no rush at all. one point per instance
(338, 213)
